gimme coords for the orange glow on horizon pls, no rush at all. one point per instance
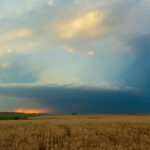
(31, 111)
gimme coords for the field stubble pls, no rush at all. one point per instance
(76, 132)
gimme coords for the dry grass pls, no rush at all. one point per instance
(76, 132)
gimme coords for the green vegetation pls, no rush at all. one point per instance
(16, 116)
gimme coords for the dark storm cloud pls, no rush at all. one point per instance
(138, 74)
(81, 100)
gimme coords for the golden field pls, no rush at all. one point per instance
(76, 132)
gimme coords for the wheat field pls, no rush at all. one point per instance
(76, 132)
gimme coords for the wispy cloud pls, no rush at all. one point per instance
(14, 35)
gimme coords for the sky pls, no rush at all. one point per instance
(83, 56)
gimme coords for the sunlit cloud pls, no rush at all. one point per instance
(87, 25)
(89, 53)
(14, 35)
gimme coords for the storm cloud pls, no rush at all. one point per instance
(86, 56)
(139, 72)
(65, 99)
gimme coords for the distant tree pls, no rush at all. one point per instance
(74, 113)
(16, 118)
